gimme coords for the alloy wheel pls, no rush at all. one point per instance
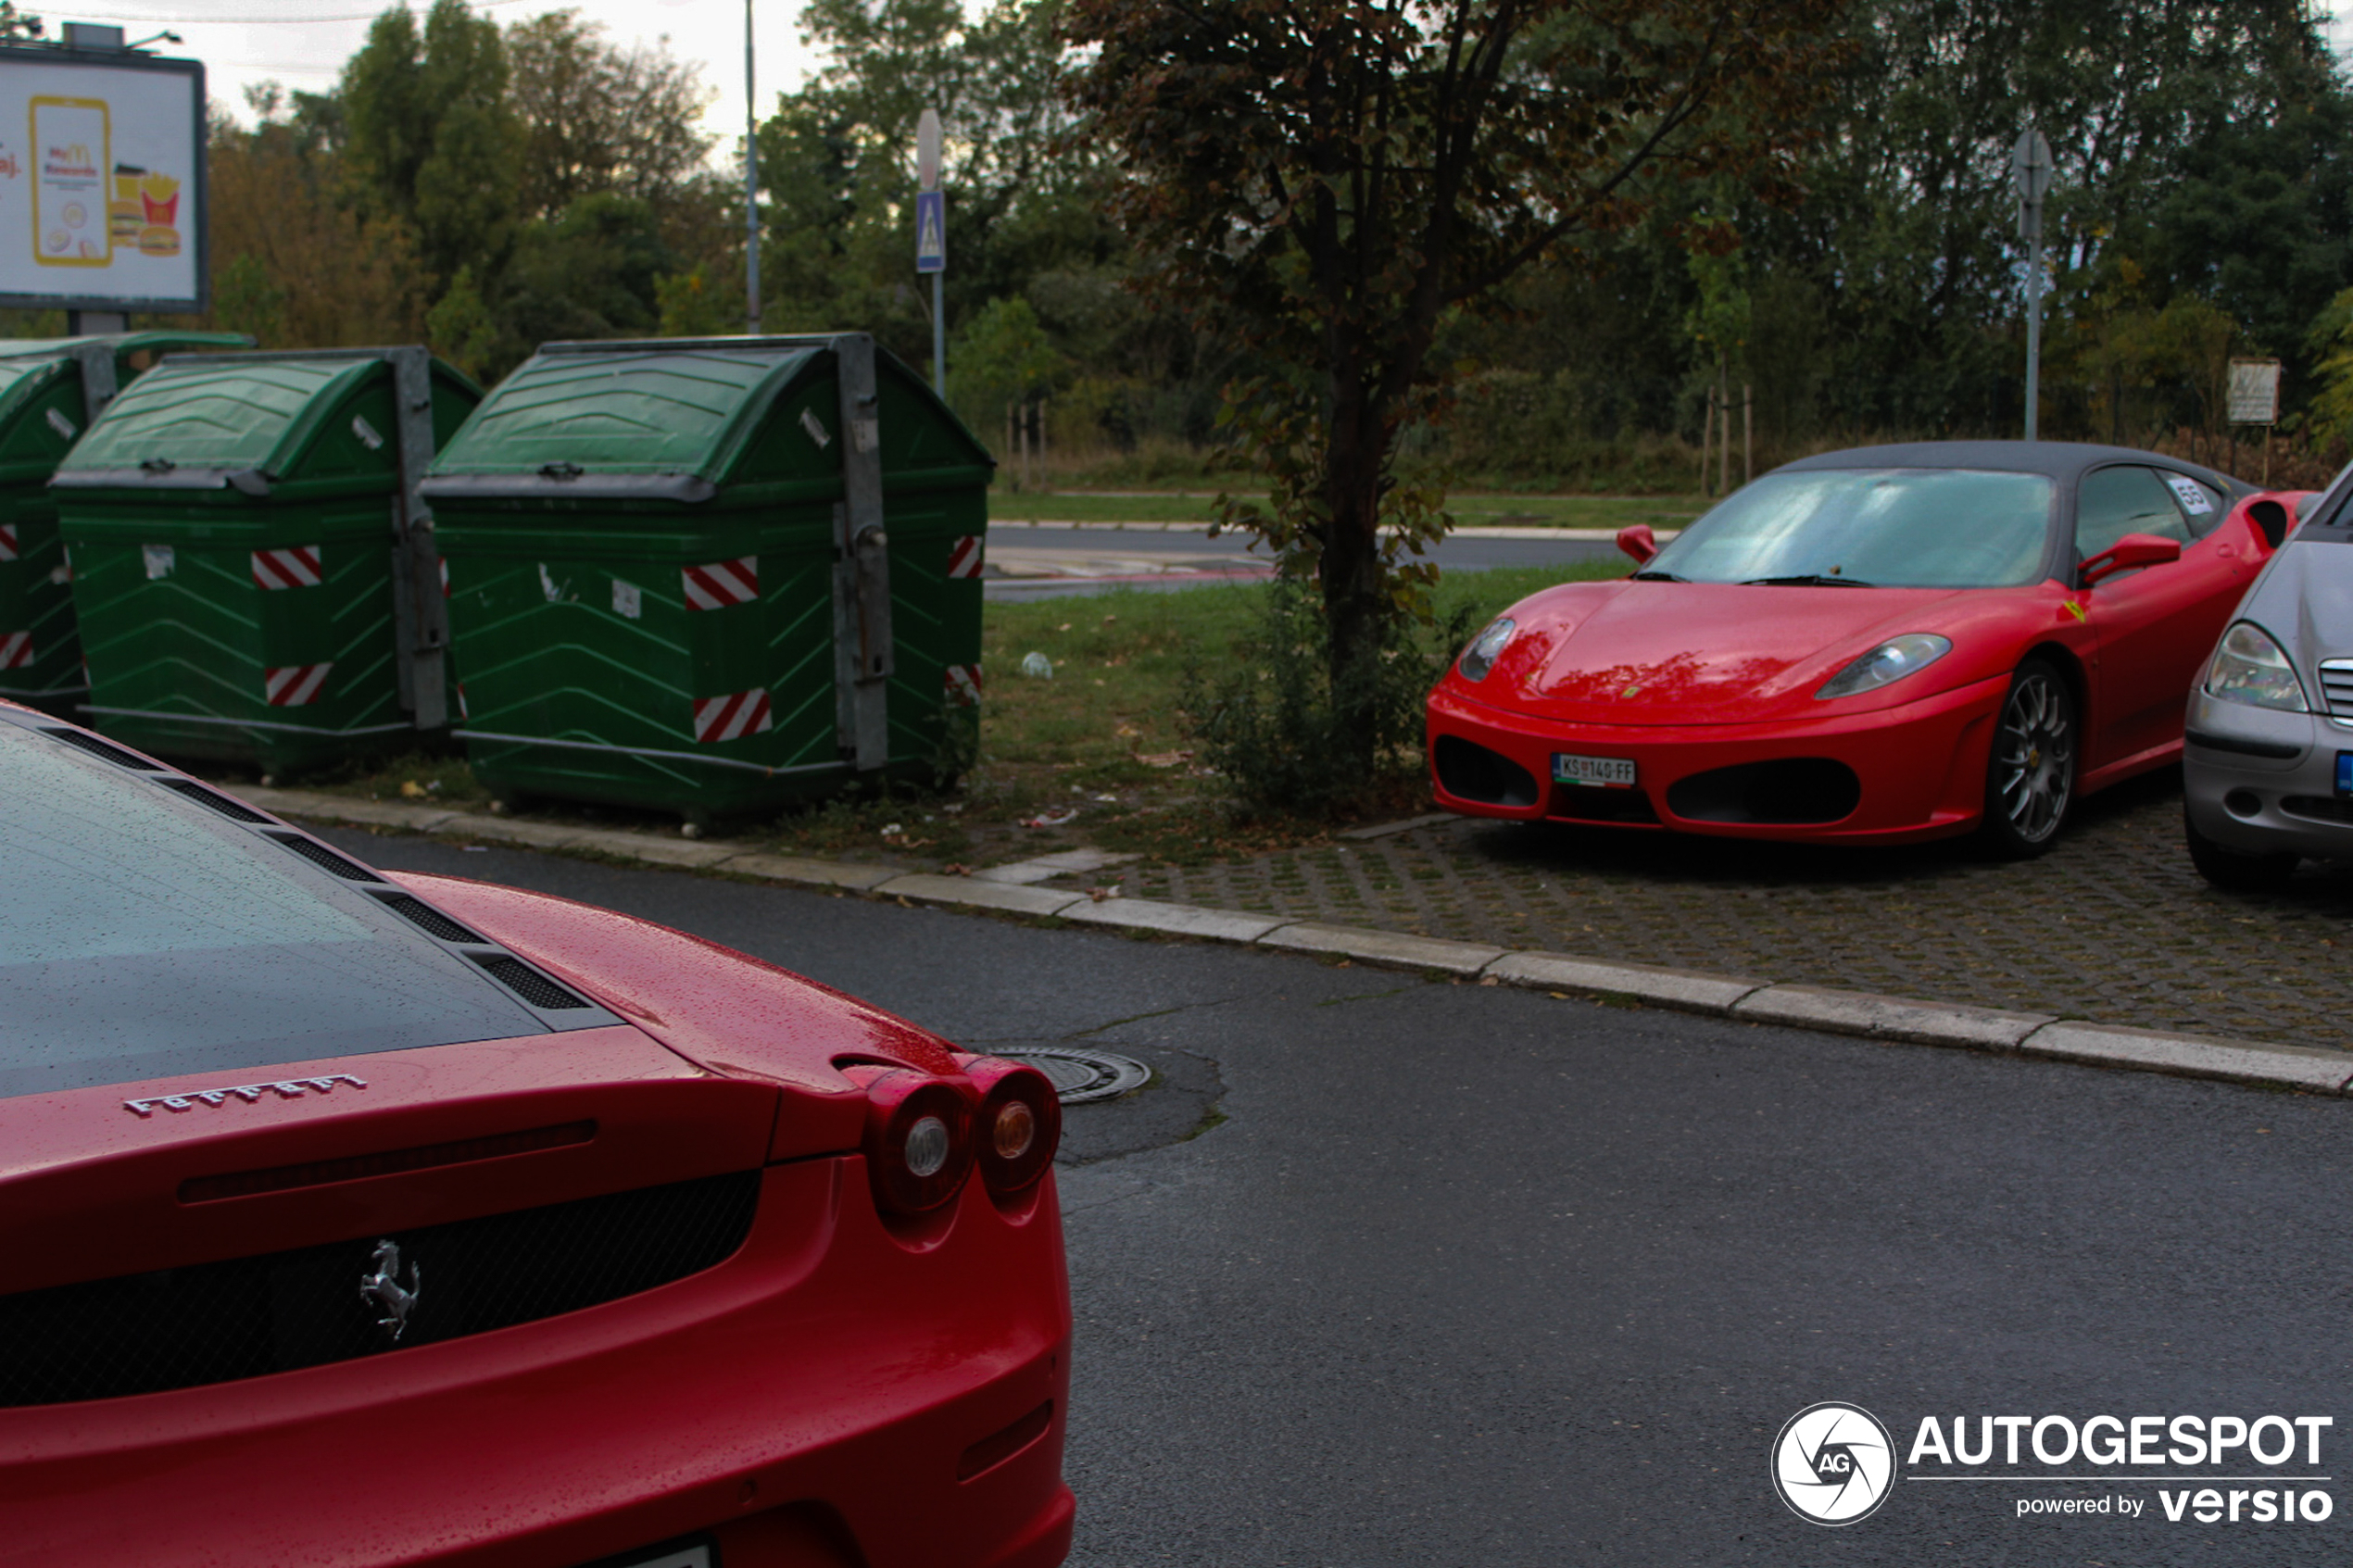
(2035, 756)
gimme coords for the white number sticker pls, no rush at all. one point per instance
(2194, 499)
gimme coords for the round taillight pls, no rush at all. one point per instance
(1013, 1131)
(918, 1141)
(1019, 1123)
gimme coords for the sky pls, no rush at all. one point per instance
(304, 43)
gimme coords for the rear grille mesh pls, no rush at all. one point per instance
(422, 913)
(323, 858)
(2336, 686)
(214, 798)
(248, 1317)
(529, 983)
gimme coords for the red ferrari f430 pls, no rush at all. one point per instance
(353, 1219)
(1870, 646)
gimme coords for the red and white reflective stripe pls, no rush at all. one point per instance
(963, 557)
(297, 568)
(444, 575)
(16, 651)
(294, 685)
(731, 717)
(722, 583)
(7, 540)
(964, 684)
(463, 712)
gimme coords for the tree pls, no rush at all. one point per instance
(836, 164)
(432, 140)
(1334, 178)
(597, 120)
(17, 25)
(300, 265)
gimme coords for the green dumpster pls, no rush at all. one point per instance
(254, 572)
(712, 575)
(50, 391)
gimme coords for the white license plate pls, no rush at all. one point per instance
(1609, 772)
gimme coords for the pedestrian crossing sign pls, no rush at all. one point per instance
(931, 231)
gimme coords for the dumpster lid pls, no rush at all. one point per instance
(122, 343)
(29, 365)
(662, 418)
(210, 420)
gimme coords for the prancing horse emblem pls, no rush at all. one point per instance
(383, 1291)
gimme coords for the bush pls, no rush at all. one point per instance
(1276, 734)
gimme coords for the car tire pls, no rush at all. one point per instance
(2235, 870)
(2030, 773)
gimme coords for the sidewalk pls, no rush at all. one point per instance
(2060, 958)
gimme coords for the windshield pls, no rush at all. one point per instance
(143, 936)
(1911, 528)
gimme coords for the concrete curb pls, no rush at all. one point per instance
(1897, 1019)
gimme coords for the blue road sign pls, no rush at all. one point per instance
(931, 231)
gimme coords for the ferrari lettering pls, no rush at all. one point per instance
(285, 1088)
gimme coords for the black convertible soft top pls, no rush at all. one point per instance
(2063, 460)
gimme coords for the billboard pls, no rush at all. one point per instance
(102, 199)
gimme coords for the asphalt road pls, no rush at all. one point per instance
(1470, 1275)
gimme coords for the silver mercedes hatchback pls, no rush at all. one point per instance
(2267, 758)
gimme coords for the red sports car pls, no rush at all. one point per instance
(1870, 646)
(353, 1219)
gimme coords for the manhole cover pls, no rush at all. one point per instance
(1080, 1075)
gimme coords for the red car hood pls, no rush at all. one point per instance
(1700, 653)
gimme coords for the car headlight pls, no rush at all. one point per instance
(1487, 646)
(1891, 660)
(2248, 667)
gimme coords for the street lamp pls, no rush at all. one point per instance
(2031, 163)
(751, 188)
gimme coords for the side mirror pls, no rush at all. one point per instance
(2270, 520)
(1638, 542)
(2129, 554)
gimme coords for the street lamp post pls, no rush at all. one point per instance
(751, 187)
(2031, 163)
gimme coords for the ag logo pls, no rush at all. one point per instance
(1833, 1463)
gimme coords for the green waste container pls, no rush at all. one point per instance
(50, 391)
(712, 575)
(254, 573)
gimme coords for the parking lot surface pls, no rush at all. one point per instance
(2112, 925)
(1402, 1274)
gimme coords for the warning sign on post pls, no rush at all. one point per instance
(2254, 392)
(101, 180)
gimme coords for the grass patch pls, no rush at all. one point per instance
(1104, 740)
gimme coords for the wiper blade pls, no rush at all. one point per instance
(1808, 580)
(1656, 577)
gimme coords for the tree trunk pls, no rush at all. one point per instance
(1355, 606)
(1724, 451)
(1706, 441)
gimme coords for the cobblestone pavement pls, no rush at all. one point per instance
(2113, 924)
